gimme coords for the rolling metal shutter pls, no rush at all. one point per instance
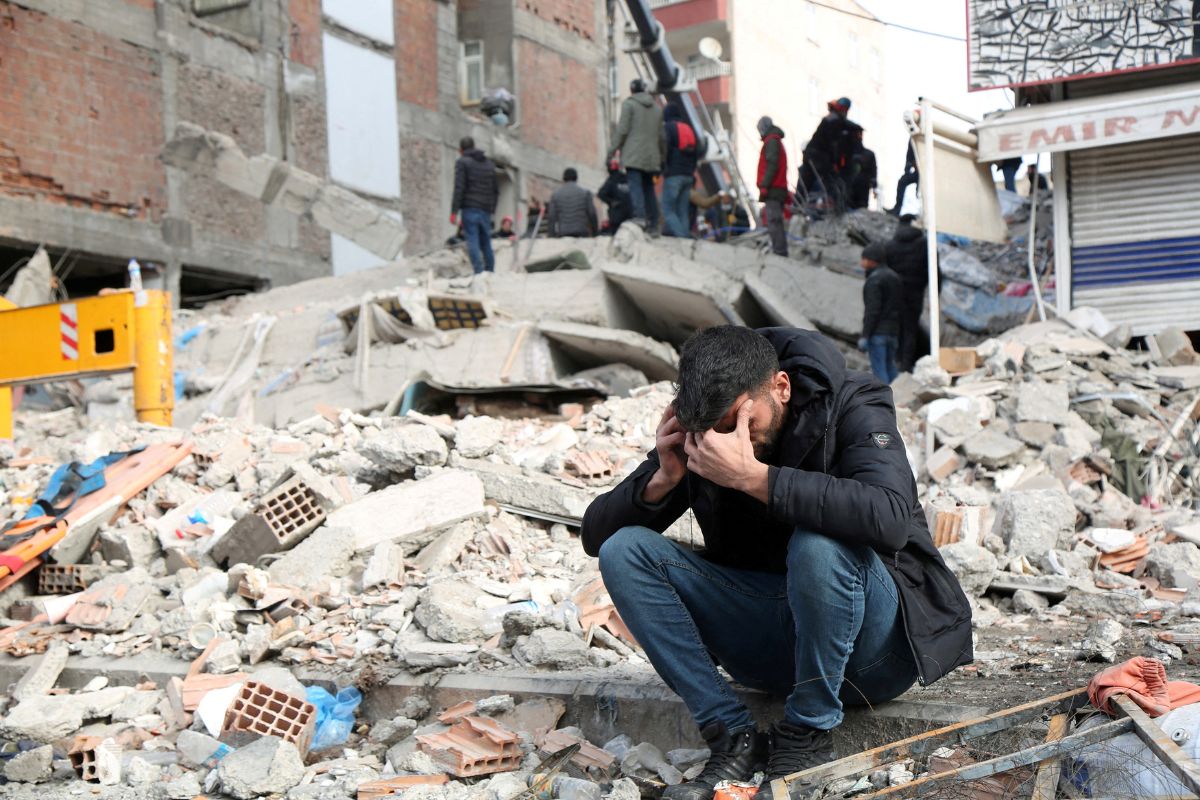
(1135, 232)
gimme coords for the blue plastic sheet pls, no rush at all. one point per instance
(335, 715)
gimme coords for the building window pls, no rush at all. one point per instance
(810, 22)
(876, 62)
(470, 69)
(852, 49)
(814, 98)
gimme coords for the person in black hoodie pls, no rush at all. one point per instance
(818, 579)
(908, 256)
(615, 194)
(881, 312)
(679, 171)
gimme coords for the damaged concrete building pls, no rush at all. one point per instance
(371, 96)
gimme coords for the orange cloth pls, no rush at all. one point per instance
(1145, 681)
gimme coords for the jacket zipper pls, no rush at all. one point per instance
(904, 621)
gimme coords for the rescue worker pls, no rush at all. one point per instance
(772, 182)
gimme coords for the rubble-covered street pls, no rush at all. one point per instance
(316, 598)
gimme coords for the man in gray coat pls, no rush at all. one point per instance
(572, 210)
(642, 144)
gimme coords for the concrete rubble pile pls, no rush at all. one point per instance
(1058, 475)
(343, 549)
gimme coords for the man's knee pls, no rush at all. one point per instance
(628, 546)
(814, 554)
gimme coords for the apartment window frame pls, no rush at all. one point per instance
(811, 26)
(466, 64)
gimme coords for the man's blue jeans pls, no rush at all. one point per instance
(477, 227)
(881, 350)
(676, 191)
(827, 632)
(642, 198)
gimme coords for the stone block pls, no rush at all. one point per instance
(263, 767)
(448, 613)
(1040, 401)
(1035, 522)
(402, 448)
(31, 766)
(476, 437)
(552, 648)
(1176, 565)
(413, 513)
(973, 565)
(992, 449)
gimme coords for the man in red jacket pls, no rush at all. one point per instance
(772, 182)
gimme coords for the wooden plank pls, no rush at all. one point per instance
(1021, 758)
(1154, 737)
(932, 740)
(1045, 785)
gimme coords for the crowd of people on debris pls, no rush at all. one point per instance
(652, 180)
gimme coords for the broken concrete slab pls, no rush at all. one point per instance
(673, 308)
(1041, 401)
(324, 554)
(992, 449)
(403, 447)
(1032, 523)
(280, 184)
(778, 310)
(411, 514)
(31, 766)
(554, 649)
(526, 492)
(591, 345)
(476, 437)
(43, 674)
(449, 613)
(265, 766)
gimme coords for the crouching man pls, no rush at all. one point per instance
(818, 580)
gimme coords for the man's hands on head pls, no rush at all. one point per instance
(727, 459)
(672, 461)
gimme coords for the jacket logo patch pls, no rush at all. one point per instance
(881, 440)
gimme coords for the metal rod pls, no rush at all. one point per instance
(1011, 761)
(929, 213)
(1032, 243)
(948, 110)
(1154, 737)
(930, 741)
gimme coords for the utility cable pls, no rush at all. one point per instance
(949, 36)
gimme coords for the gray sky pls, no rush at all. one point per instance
(921, 65)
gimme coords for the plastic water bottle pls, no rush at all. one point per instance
(135, 275)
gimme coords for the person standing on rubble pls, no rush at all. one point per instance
(476, 191)
(818, 579)
(642, 145)
(911, 176)
(679, 173)
(772, 182)
(615, 194)
(881, 312)
(825, 153)
(908, 256)
(572, 210)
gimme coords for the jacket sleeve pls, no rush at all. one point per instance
(771, 156)
(623, 506)
(552, 216)
(624, 126)
(460, 186)
(593, 220)
(608, 192)
(872, 306)
(869, 502)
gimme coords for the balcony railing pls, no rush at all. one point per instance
(709, 69)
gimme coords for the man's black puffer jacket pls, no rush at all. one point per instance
(475, 184)
(908, 256)
(840, 470)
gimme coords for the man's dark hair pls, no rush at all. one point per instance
(569, 174)
(716, 366)
(637, 85)
(466, 143)
(908, 219)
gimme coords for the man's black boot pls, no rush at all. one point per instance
(792, 749)
(735, 757)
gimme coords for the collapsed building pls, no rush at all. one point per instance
(371, 96)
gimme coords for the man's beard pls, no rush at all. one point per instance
(765, 448)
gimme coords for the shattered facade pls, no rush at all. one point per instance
(1048, 40)
(96, 91)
